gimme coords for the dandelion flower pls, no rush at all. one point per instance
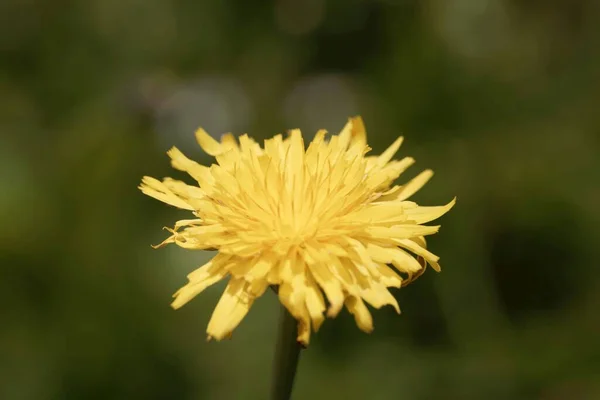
(325, 225)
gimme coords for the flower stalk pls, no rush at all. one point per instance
(287, 355)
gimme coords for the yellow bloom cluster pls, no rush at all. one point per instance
(325, 219)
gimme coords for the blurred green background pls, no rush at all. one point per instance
(500, 97)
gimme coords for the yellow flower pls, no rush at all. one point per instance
(322, 220)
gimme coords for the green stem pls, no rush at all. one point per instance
(287, 354)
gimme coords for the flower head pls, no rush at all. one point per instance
(321, 223)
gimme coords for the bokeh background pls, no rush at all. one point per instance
(500, 97)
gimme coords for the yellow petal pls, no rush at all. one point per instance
(183, 190)
(187, 222)
(420, 240)
(228, 159)
(208, 143)
(205, 276)
(158, 190)
(315, 304)
(401, 231)
(387, 155)
(274, 275)
(389, 277)
(415, 248)
(317, 263)
(332, 289)
(362, 316)
(436, 266)
(228, 142)
(378, 296)
(380, 212)
(230, 310)
(359, 135)
(403, 261)
(422, 215)
(258, 287)
(414, 185)
(262, 267)
(389, 173)
(275, 149)
(345, 135)
(312, 153)
(199, 172)
(295, 303)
